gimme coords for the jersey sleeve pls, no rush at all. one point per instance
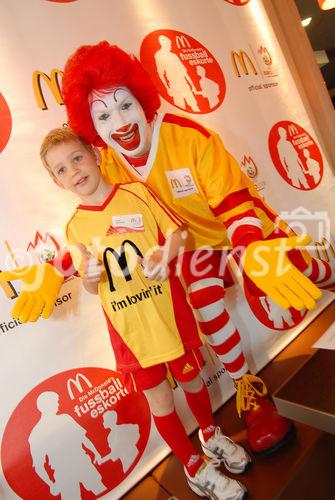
(72, 242)
(166, 219)
(227, 191)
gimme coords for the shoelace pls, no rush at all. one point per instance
(228, 446)
(247, 393)
(212, 475)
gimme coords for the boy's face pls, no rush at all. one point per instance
(74, 167)
(120, 121)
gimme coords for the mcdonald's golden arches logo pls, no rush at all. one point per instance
(242, 61)
(182, 42)
(121, 260)
(292, 130)
(52, 82)
(78, 381)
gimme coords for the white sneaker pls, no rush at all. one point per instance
(211, 483)
(219, 446)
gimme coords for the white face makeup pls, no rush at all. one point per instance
(120, 121)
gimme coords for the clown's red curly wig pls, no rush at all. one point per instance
(102, 67)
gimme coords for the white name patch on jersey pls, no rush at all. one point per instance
(127, 223)
(181, 182)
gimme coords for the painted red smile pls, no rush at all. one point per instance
(128, 140)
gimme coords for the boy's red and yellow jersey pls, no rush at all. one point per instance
(149, 322)
(190, 170)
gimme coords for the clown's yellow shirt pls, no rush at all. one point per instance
(189, 169)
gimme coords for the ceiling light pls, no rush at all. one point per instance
(305, 22)
(327, 4)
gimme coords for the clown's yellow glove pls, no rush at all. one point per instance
(268, 266)
(40, 288)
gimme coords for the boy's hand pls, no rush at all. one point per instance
(155, 266)
(268, 266)
(40, 288)
(92, 267)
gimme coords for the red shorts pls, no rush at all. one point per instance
(183, 369)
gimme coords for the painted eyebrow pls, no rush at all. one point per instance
(117, 90)
(98, 100)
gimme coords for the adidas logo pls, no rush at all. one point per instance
(110, 231)
(187, 368)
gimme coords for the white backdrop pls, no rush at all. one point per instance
(244, 91)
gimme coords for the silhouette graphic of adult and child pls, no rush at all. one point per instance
(58, 442)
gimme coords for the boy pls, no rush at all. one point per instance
(115, 222)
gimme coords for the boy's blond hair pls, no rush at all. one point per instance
(59, 136)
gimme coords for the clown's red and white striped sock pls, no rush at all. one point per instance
(322, 274)
(206, 296)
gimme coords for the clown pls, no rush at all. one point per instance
(112, 103)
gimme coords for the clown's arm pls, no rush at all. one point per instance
(265, 262)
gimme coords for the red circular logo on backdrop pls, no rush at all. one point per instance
(271, 315)
(238, 2)
(76, 435)
(61, 1)
(295, 155)
(5, 123)
(184, 72)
